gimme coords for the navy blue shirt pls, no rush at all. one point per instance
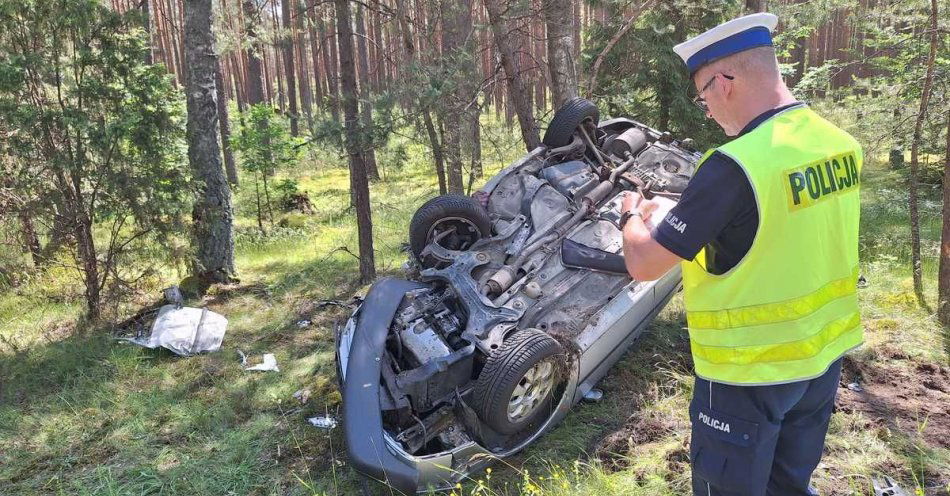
(717, 211)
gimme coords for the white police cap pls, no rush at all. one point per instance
(731, 37)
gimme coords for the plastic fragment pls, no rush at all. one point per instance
(269, 364)
(322, 422)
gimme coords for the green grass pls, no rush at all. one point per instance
(81, 413)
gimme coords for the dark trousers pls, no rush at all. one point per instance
(757, 440)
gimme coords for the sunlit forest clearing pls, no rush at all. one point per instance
(104, 202)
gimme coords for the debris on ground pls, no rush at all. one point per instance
(185, 331)
(854, 386)
(337, 303)
(173, 296)
(885, 486)
(322, 422)
(268, 363)
(302, 395)
(303, 324)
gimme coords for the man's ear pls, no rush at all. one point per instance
(726, 85)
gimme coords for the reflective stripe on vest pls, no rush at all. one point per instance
(789, 308)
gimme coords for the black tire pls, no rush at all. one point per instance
(464, 213)
(561, 129)
(505, 369)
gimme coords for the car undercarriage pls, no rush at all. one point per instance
(516, 302)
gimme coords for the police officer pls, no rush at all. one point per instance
(766, 234)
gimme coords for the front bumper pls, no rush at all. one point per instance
(372, 451)
(360, 364)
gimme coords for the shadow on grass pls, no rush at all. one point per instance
(32, 375)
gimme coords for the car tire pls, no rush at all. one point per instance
(560, 131)
(463, 213)
(507, 369)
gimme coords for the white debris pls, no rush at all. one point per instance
(269, 364)
(323, 422)
(184, 330)
(303, 324)
(302, 395)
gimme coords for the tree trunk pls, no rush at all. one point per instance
(476, 141)
(378, 50)
(333, 79)
(287, 46)
(229, 166)
(277, 69)
(451, 105)
(559, 19)
(471, 108)
(268, 73)
(918, 127)
(30, 240)
(255, 88)
(303, 78)
(517, 95)
(316, 41)
(86, 248)
(358, 180)
(753, 6)
(366, 108)
(144, 7)
(212, 211)
(409, 46)
(436, 150)
(943, 274)
(798, 60)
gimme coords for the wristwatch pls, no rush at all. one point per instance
(624, 217)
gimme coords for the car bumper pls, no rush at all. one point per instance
(372, 451)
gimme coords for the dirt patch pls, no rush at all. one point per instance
(638, 430)
(907, 397)
(222, 293)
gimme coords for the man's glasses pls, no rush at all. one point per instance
(699, 101)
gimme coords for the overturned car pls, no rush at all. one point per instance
(516, 304)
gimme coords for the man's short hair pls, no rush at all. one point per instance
(755, 63)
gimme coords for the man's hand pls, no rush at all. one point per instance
(635, 202)
(645, 259)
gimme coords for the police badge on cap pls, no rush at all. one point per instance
(740, 34)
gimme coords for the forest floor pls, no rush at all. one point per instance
(82, 413)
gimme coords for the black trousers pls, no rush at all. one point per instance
(758, 440)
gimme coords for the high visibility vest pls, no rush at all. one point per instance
(789, 308)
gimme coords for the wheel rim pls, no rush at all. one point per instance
(531, 391)
(454, 233)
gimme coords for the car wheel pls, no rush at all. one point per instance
(560, 131)
(517, 384)
(456, 221)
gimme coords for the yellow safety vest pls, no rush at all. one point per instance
(789, 308)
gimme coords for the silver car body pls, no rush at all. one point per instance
(597, 316)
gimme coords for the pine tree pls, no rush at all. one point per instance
(213, 215)
(351, 119)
